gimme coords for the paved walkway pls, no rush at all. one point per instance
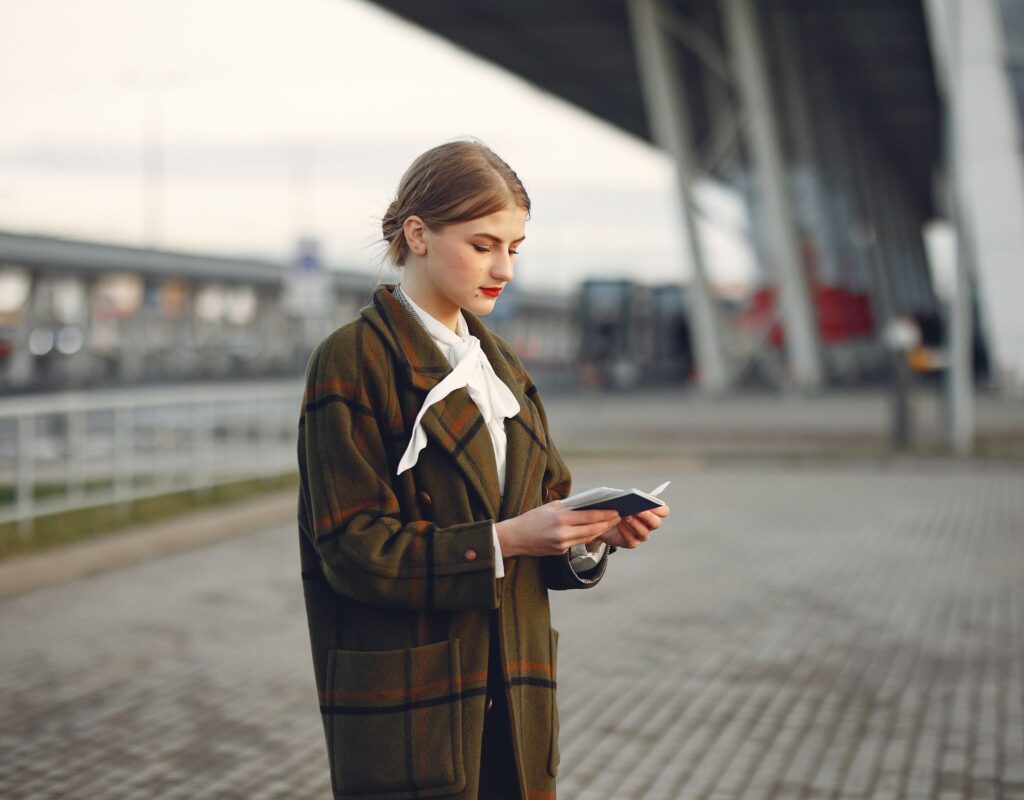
(837, 424)
(855, 632)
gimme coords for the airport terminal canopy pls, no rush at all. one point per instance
(582, 51)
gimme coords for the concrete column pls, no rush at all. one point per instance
(664, 95)
(750, 68)
(986, 167)
(945, 18)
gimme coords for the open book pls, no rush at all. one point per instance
(625, 501)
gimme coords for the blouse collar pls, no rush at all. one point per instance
(437, 329)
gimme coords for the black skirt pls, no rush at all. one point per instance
(498, 780)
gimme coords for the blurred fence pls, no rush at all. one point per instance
(78, 450)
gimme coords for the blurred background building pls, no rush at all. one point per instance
(854, 156)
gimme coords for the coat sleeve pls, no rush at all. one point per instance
(557, 484)
(348, 509)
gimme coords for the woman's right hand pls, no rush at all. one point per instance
(551, 529)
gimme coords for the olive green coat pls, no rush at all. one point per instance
(399, 570)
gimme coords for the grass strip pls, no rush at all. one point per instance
(68, 527)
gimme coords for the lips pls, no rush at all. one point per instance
(491, 292)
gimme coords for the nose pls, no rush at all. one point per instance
(503, 267)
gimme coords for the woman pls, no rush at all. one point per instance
(430, 527)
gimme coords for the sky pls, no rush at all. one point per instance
(237, 126)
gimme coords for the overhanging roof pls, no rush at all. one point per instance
(579, 50)
(582, 51)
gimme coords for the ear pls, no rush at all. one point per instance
(415, 230)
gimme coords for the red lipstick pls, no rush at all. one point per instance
(491, 292)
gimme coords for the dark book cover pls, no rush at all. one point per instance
(625, 504)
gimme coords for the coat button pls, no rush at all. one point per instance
(425, 499)
(470, 554)
(489, 705)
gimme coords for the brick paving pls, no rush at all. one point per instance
(849, 632)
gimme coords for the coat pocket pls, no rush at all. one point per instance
(394, 722)
(554, 756)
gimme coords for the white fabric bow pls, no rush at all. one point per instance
(472, 370)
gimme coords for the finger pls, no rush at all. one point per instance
(651, 514)
(590, 516)
(661, 511)
(640, 528)
(582, 534)
(648, 519)
(634, 533)
(629, 539)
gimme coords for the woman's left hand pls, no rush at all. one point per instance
(634, 530)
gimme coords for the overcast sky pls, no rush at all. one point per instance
(277, 118)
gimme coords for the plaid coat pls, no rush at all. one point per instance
(398, 571)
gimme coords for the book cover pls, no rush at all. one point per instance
(625, 501)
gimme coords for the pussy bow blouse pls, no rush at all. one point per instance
(470, 368)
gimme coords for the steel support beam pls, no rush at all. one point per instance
(750, 69)
(665, 100)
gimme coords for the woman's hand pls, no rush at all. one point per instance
(550, 529)
(634, 530)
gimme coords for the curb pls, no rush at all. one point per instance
(25, 573)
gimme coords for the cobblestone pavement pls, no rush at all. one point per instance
(849, 633)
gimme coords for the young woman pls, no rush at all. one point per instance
(430, 527)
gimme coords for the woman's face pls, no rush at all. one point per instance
(463, 265)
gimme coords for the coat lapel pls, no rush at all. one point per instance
(526, 452)
(457, 426)
(455, 423)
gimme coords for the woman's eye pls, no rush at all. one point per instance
(482, 248)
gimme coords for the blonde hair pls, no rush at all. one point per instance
(453, 182)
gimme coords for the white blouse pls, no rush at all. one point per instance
(470, 368)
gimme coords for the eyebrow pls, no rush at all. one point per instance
(495, 239)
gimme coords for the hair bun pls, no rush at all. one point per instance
(390, 220)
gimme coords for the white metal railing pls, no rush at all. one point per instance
(74, 450)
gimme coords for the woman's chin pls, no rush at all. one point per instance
(483, 304)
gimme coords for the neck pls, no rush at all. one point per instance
(431, 301)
